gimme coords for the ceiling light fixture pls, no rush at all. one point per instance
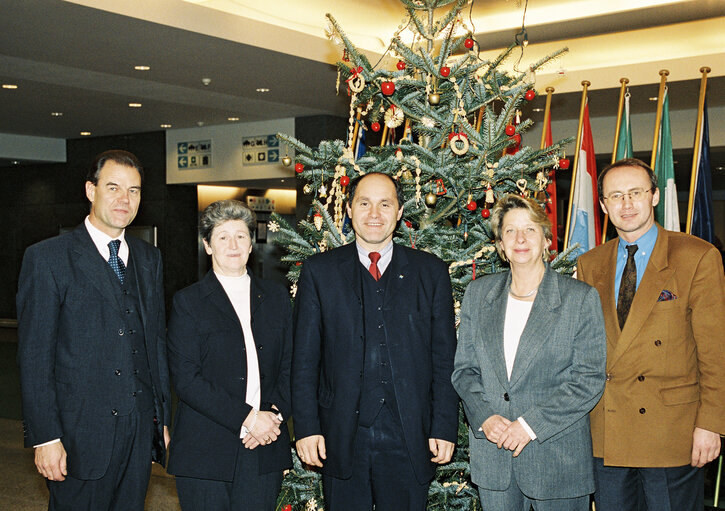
(85, 133)
(262, 89)
(166, 125)
(135, 105)
(9, 86)
(141, 68)
(653, 98)
(232, 118)
(56, 114)
(537, 109)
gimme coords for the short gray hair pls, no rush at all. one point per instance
(536, 213)
(222, 211)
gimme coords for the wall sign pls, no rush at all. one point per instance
(260, 150)
(193, 155)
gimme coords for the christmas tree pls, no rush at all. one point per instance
(451, 135)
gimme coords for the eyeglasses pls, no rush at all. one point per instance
(634, 195)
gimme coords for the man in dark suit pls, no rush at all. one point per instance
(372, 398)
(91, 350)
(663, 297)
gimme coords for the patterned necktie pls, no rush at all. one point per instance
(373, 269)
(116, 263)
(627, 286)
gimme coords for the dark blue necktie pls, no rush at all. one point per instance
(116, 263)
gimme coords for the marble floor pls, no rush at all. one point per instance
(22, 488)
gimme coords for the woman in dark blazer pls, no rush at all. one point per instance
(529, 367)
(229, 345)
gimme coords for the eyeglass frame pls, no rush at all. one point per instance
(639, 191)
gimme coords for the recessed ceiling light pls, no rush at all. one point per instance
(166, 125)
(16, 162)
(85, 133)
(232, 118)
(281, 180)
(141, 68)
(9, 86)
(537, 109)
(56, 114)
(262, 89)
(135, 105)
(653, 98)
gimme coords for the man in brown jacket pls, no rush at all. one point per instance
(663, 295)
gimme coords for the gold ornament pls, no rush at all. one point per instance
(307, 189)
(286, 161)
(323, 191)
(521, 185)
(317, 220)
(459, 144)
(431, 199)
(434, 98)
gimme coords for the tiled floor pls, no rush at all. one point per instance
(23, 489)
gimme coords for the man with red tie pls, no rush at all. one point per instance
(374, 344)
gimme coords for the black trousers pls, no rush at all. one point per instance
(123, 486)
(651, 489)
(248, 491)
(382, 473)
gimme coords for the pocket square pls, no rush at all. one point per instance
(666, 296)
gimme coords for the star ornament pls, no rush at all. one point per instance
(273, 226)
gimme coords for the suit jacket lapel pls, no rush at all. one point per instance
(653, 282)
(538, 326)
(493, 308)
(398, 272)
(93, 265)
(144, 280)
(603, 279)
(218, 297)
(350, 267)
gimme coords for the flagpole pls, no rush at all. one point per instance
(577, 150)
(384, 138)
(479, 120)
(620, 108)
(698, 146)
(547, 114)
(658, 118)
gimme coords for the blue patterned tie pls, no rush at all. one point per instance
(116, 263)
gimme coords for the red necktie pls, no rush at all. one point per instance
(373, 269)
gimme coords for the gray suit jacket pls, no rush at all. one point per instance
(557, 378)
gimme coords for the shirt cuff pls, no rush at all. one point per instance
(526, 427)
(48, 443)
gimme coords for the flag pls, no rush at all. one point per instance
(624, 142)
(551, 190)
(585, 227)
(702, 216)
(666, 212)
(360, 148)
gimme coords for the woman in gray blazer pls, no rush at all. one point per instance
(530, 365)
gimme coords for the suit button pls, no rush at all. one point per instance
(380, 325)
(357, 412)
(125, 291)
(114, 412)
(133, 394)
(642, 411)
(260, 347)
(131, 332)
(506, 397)
(135, 371)
(128, 311)
(382, 400)
(120, 331)
(242, 378)
(609, 376)
(261, 377)
(117, 372)
(640, 378)
(380, 308)
(134, 352)
(658, 342)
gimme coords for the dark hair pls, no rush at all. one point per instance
(115, 155)
(353, 188)
(536, 212)
(222, 211)
(626, 162)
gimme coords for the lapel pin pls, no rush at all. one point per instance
(401, 276)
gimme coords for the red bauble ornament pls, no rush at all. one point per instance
(400, 65)
(471, 206)
(517, 138)
(299, 168)
(344, 180)
(388, 88)
(408, 224)
(564, 163)
(468, 43)
(297, 263)
(375, 126)
(485, 213)
(530, 94)
(445, 71)
(510, 130)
